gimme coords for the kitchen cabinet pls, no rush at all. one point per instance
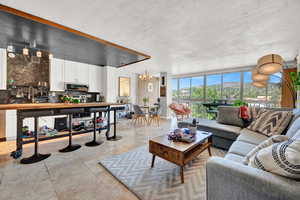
(76, 72)
(3, 67)
(11, 124)
(71, 72)
(95, 77)
(57, 75)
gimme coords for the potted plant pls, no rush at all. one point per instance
(295, 78)
(145, 100)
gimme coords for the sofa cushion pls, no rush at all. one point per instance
(294, 127)
(271, 122)
(229, 115)
(264, 144)
(234, 157)
(280, 158)
(252, 137)
(214, 124)
(241, 148)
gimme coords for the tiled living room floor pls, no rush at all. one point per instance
(74, 175)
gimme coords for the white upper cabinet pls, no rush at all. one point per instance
(95, 76)
(71, 72)
(57, 78)
(3, 67)
(76, 72)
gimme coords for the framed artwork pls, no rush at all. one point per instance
(150, 87)
(124, 86)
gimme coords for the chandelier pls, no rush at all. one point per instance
(145, 76)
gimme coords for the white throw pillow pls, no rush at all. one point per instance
(280, 158)
(264, 144)
(295, 126)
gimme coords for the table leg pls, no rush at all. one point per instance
(181, 174)
(114, 137)
(153, 160)
(209, 151)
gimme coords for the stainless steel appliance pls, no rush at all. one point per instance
(76, 87)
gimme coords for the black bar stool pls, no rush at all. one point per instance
(69, 112)
(36, 157)
(94, 143)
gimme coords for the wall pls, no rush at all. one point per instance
(142, 91)
(110, 82)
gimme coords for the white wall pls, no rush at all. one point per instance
(110, 82)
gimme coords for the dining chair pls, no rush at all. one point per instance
(139, 115)
(155, 116)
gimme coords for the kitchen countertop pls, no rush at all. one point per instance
(33, 106)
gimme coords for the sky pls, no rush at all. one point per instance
(216, 79)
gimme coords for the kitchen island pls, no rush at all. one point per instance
(35, 111)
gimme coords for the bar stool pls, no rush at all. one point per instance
(94, 143)
(69, 112)
(36, 157)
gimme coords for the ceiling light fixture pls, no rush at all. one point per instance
(270, 64)
(39, 54)
(25, 51)
(11, 55)
(145, 76)
(257, 76)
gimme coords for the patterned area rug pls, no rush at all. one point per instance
(163, 181)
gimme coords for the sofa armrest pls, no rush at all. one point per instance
(229, 180)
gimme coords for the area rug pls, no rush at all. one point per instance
(163, 181)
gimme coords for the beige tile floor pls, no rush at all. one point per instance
(74, 175)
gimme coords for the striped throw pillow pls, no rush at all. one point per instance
(270, 122)
(280, 158)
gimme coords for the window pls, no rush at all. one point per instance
(184, 88)
(252, 94)
(175, 88)
(231, 85)
(197, 88)
(274, 90)
(213, 88)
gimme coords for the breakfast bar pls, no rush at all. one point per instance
(51, 109)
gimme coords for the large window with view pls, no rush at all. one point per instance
(200, 90)
(213, 87)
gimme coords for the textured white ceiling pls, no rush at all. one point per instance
(183, 36)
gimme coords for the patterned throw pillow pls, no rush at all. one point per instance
(280, 158)
(272, 140)
(270, 122)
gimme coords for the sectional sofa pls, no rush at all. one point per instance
(228, 178)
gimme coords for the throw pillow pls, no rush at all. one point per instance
(294, 127)
(229, 115)
(280, 158)
(264, 144)
(296, 135)
(253, 110)
(270, 122)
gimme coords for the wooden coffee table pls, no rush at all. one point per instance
(179, 153)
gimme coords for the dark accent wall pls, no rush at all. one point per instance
(25, 70)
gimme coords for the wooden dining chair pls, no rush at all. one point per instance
(154, 116)
(139, 116)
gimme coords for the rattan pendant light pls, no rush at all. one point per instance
(269, 64)
(257, 76)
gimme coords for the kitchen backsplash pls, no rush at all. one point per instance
(25, 70)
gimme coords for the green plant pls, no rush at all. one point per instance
(146, 100)
(239, 103)
(295, 80)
